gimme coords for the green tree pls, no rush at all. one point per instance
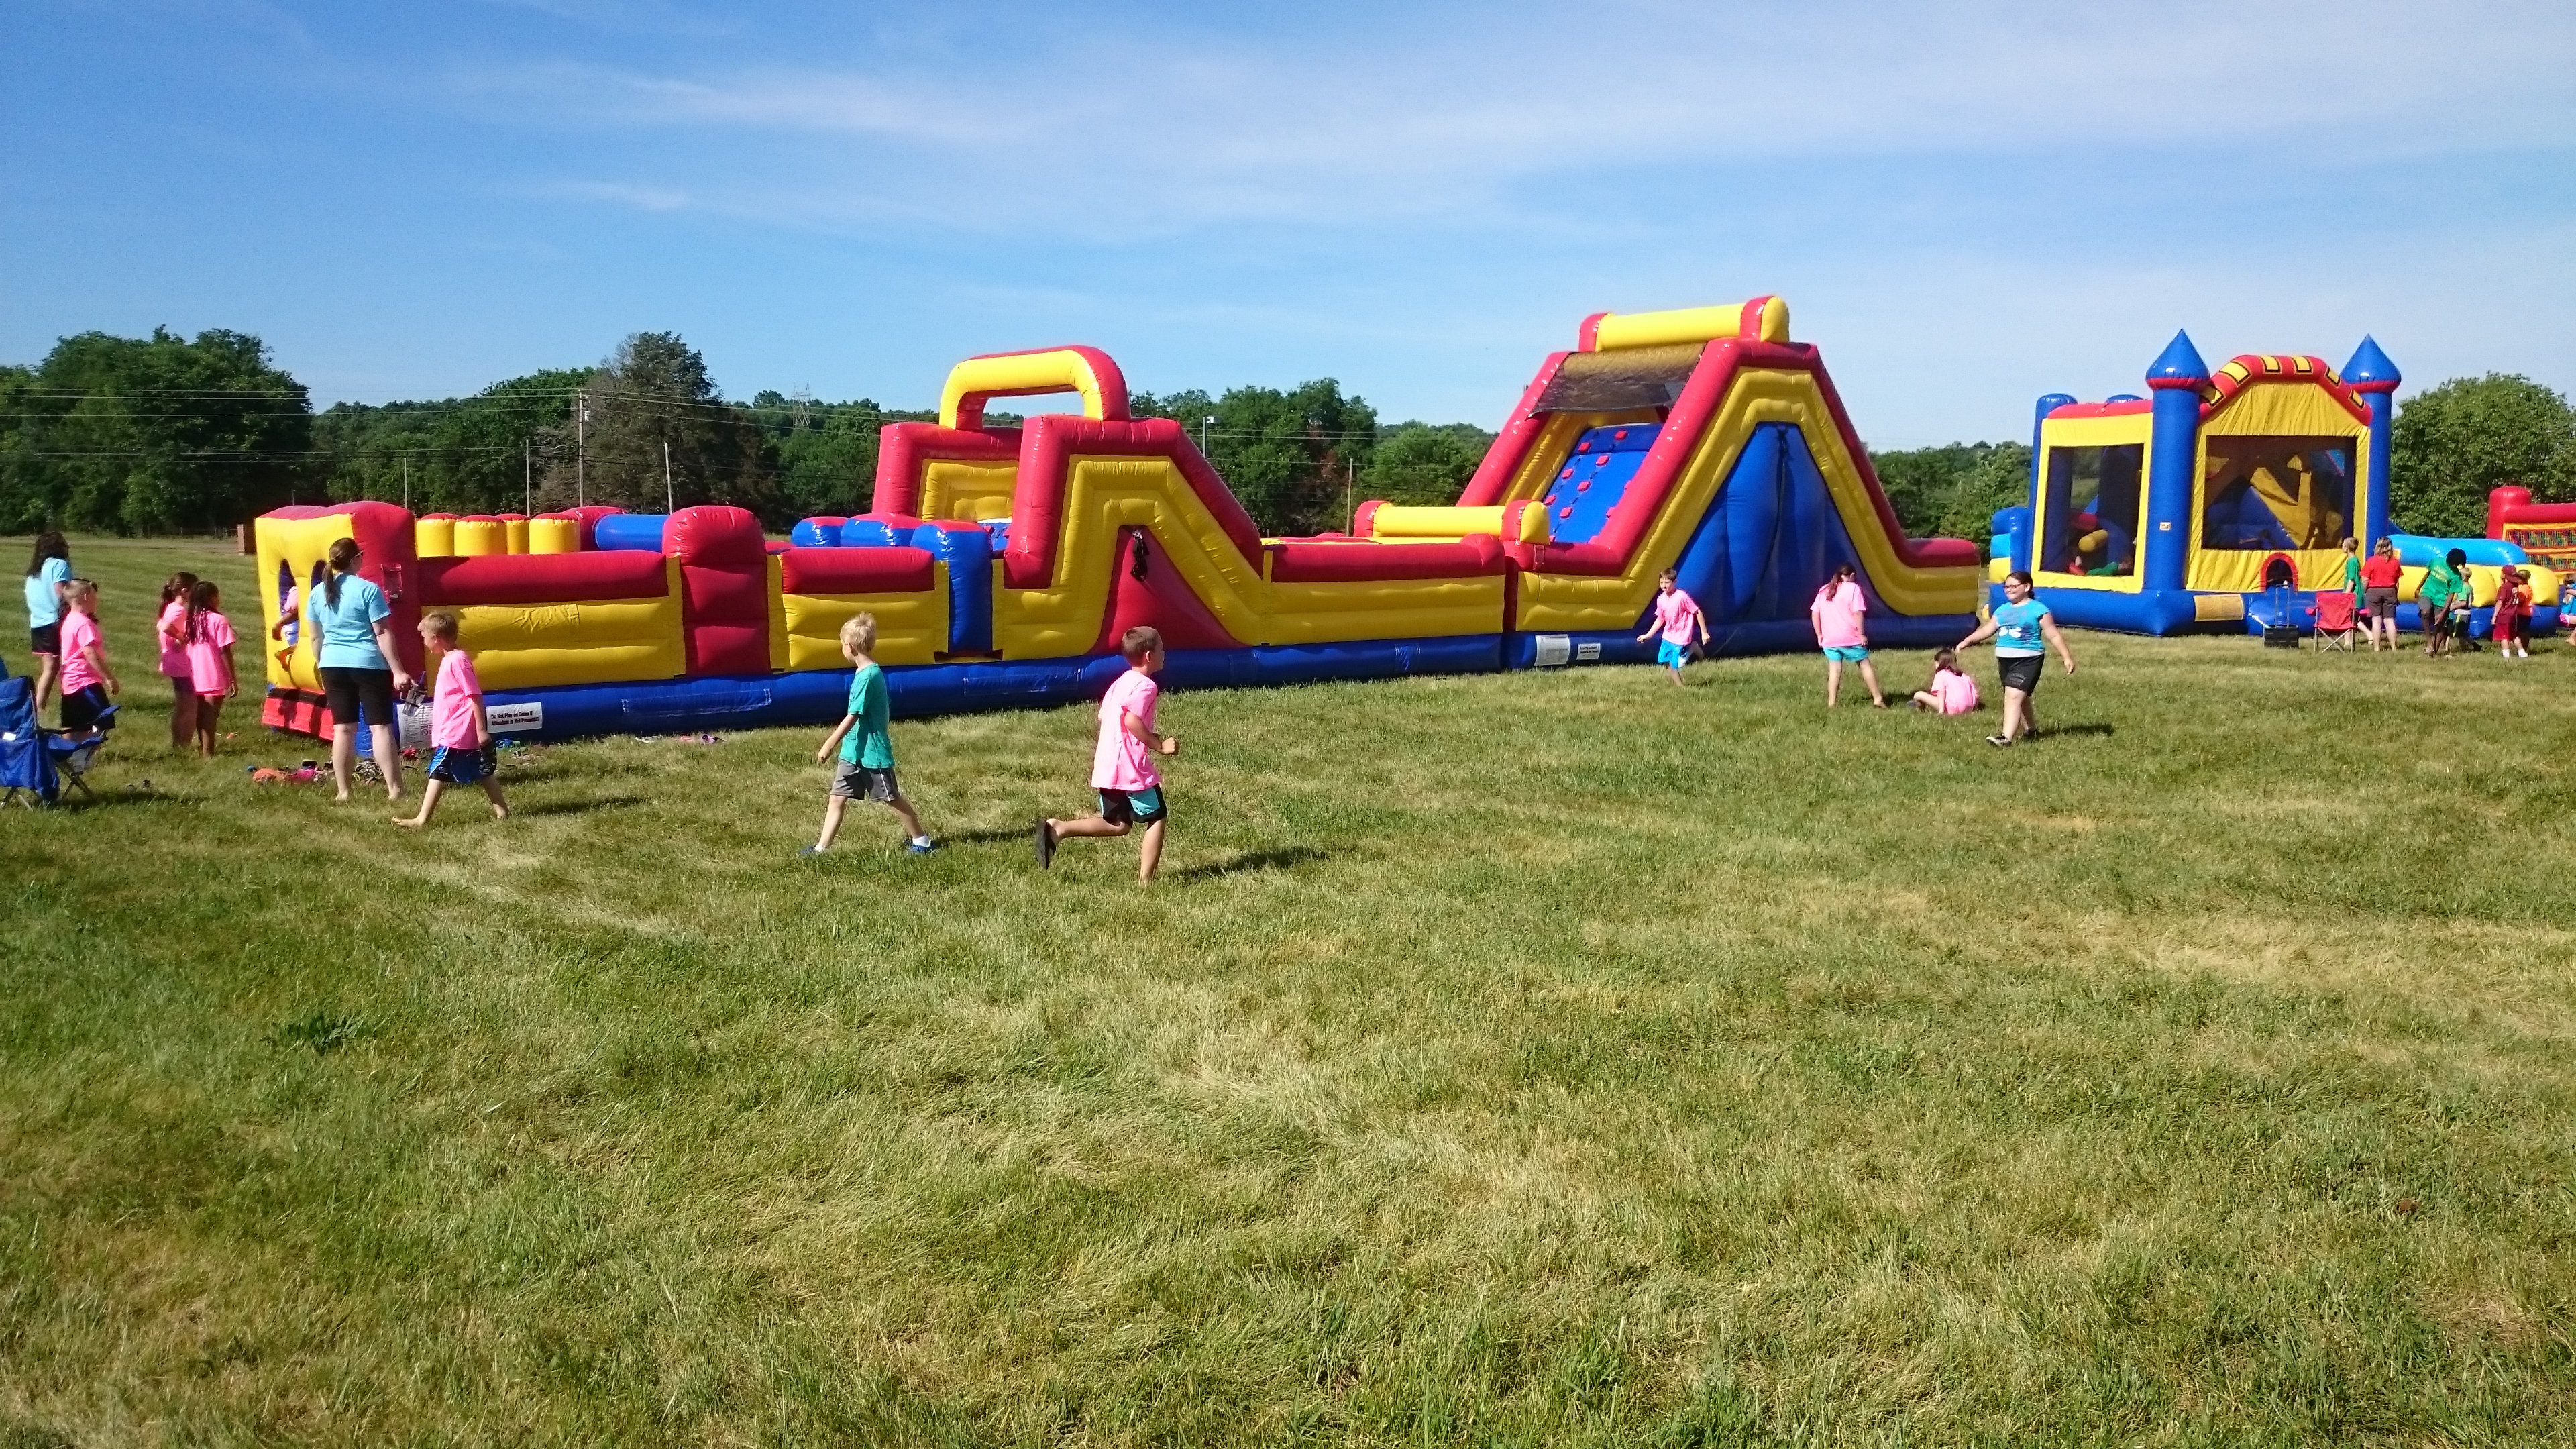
(150, 434)
(2452, 444)
(1425, 464)
(1291, 457)
(1953, 491)
(824, 455)
(460, 455)
(655, 391)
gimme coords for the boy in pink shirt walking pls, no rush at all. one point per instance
(1122, 763)
(1676, 614)
(460, 736)
(1836, 614)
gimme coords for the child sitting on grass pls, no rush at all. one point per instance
(1951, 690)
(210, 660)
(1122, 762)
(866, 744)
(460, 735)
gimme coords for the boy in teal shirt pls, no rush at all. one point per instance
(866, 746)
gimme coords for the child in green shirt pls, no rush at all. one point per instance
(865, 744)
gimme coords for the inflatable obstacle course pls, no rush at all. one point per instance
(1004, 563)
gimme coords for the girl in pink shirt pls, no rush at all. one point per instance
(88, 682)
(1951, 690)
(1675, 614)
(210, 660)
(1836, 614)
(174, 659)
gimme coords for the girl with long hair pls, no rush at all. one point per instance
(48, 571)
(360, 669)
(174, 658)
(210, 661)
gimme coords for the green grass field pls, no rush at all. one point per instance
(1536, 1059)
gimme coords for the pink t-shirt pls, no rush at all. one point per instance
(1957, 692)
(1122, 761)
(174, 652)
(1837, 612)
(1675, 611)
(80, 634)
(451, 705)
(206, 665)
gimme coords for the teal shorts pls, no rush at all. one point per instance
(1671, 655)
(1847, 653)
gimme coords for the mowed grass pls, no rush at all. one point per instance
(1533, 1059)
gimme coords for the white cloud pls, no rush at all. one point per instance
(1429, 120)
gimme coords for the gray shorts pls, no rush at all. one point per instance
(2379, 603)
(859, 782)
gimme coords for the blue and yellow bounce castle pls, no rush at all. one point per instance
(2222, 499)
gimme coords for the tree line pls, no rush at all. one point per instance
(172, 434)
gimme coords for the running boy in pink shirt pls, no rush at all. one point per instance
(460, 736)
(1122, 763)
(1836, 614)
(1676, 614)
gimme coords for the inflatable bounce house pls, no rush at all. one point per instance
(1003, 563)
(2222, 500)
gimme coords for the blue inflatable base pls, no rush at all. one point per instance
(2175, 611)
(820, 695)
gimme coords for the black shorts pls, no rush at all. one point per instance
(350, 693)
(2021, 671)
(46, 639)
(83, 707)
(865, 782)
(1134, 807)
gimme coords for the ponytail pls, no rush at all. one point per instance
(201, 601)
(344, 557)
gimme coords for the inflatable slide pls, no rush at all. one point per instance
(1003, 563)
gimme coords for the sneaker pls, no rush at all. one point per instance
(809, 852)
(1998, 741)
(1046, 846)
(923, 846)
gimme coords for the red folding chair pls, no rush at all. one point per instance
(2336, 618)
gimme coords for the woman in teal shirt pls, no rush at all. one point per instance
(2023, 631)
(47, 571)
(354, 653)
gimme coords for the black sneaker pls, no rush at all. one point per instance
(1046, 845)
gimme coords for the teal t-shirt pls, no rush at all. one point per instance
(868, 744)
(2017, 629)
(43, 605)
(346, 635)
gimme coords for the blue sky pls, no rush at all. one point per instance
(1966, 205)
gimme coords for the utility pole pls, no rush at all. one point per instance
(528, 476)
(669, 503)
(1204, 424)
(581, 449)
(1350, 480)
(406, 462)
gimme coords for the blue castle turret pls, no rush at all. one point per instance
(2175, 379)
(2372, 375)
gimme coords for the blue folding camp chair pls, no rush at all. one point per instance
(26, 770)
(34, 761)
